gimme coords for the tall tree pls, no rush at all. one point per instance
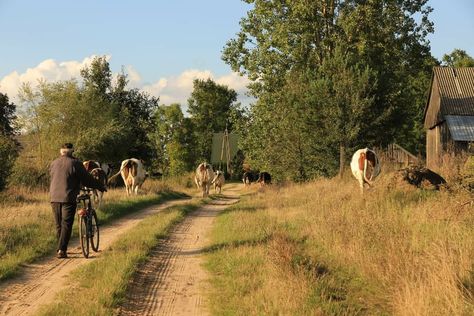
(173, 141)
(285, 44)
(209, 107)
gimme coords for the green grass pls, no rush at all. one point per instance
(100, 287)
(27, 230)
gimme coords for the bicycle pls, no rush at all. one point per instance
(88, 223)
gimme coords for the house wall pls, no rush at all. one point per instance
(433, 147)
(433, 113)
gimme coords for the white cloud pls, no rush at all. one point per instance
(172, 89)
(48, 70)
(177, 89)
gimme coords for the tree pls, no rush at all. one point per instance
(209, 107)
(458, 58)
(285, 47)
(172, 139)
(8, 145)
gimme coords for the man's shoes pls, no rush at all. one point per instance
(62, 254)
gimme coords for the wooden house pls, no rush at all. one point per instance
(449, 114)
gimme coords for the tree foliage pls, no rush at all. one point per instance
(173, 141)
(105, 121)
(8, 144)
(458, 58)
(330, 74)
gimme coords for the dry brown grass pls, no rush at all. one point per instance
(412, 247)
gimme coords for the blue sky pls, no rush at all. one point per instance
(163, 43)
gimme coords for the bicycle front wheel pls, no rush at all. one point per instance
(94, 236)
(83, 236)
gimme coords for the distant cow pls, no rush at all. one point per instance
(264, 178)
(365, 167)
(249, 177)
(203, 178)
(133, 175)
(101, 177)
(218, 181)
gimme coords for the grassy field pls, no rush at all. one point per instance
(99, 287)
(27, 224)
(322, 249)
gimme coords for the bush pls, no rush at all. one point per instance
(26, 175)
(8, 154)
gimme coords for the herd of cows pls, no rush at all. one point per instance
(205, 177)
(365, 167)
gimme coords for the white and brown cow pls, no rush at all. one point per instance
(218, 181)
(133, 175)
(203, 178)
(91, 165)
(365, 167)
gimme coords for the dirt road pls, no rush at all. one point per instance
(39, 283)
(172, 281)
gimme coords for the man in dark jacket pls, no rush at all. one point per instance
(67, 176)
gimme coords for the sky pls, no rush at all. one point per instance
(162, 44)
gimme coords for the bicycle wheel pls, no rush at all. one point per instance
(83, 236)
(94, 232)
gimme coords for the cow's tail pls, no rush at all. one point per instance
(112, 178)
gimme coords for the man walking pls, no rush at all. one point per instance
(67, 176)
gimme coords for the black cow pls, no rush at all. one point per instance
(249, 177)
(264, 178)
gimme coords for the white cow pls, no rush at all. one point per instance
(133, 175)
(218, 181)
(203, 178)
(365, 163)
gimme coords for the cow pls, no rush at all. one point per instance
(264, 178)
(107, 167)
(91, 165)
(133, 175)
(218, 181)
(248, 178)
(100, 175)
(203, 178)
(365, 167)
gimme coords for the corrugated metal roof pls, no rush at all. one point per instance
(461, 127)
(456, 88)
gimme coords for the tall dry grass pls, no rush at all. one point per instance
(323, 248)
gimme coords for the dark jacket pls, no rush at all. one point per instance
(67, 175)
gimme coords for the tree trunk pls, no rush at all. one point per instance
(342, 159)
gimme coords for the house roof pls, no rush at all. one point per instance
(456, 89)
(461, 127)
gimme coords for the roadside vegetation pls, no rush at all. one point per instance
(100, 287)
(27, 229)
(321, 248)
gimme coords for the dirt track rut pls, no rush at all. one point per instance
(172, 281)
(39, 283)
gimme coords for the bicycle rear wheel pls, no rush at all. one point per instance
(94, 233)
(83, 236)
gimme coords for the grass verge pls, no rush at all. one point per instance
(99, 287)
